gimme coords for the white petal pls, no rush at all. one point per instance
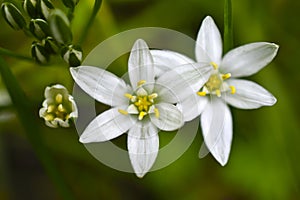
(140, 64)
(102, 85)
(143, 146)
(182, 81)
(248, 95)
(248, 59)
(216, 123)
(209, 42)
(106, 126)
(165, 60)
(192, 107)
(170, 117)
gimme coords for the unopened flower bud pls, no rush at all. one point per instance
(58, 107)
(50, 45)
(39, 28)
(70, 3)
(72, 54)
(13, 16)
(30, 7)
(39, 53)
(60, 27)
(45, 7)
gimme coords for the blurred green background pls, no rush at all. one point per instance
(264, 161)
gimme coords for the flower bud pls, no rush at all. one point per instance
(60, 27)
(45, 7)
(13, 16)
(39, 53)
(70, 3)
(30, 7)
(50, 45)
(39, 28)
(72, 55)
(58, 107)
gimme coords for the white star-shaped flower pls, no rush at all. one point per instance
(142, 108)
(223, 86)
(58, 107)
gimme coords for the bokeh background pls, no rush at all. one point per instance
(264, 161)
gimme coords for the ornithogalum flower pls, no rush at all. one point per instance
(223, 86)
(142, 108)
(58, 107)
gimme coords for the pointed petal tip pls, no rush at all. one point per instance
(140, 44)
(140, 175)
(74, 71)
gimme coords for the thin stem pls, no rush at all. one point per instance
(228, 31)
(90, 21)
(7, 52)
(34, 135)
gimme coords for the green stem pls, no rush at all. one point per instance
(34, 135)
(96, 8)
(7, 52)
(228, 31)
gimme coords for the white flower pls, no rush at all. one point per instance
(223, 85)
(58, 107)
(141, 108)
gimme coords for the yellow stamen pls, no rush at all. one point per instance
(201, 94)
(215, 66)
(60, 108)
(226, 76)
(141, 82)
(152, 96)
(58, 98)
(232, 88)
(218, 93)
(49, 117)
(141, 115)
(156, 112)
(50, 108)
(129, 96)
(123, 112)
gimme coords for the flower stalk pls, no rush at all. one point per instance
(228, 30)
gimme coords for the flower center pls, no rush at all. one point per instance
(141, 103)
(57, 109)
(216, 83)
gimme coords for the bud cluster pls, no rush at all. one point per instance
(49, 25)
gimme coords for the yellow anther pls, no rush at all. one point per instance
(50, 108)
(156, 112)
(226, 76)
(123, 112)
(152, 96)
(141, 82)
(129, 96)
(232, 88)
(141, 115)
(215, 66)
(201, 94)
(218, 93)
(49, 117)
(60, 108)
(58, 98)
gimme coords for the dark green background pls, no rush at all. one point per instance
(264, 160)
